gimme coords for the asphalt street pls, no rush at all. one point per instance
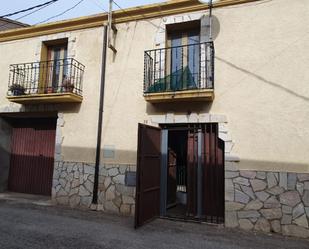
(24, 225)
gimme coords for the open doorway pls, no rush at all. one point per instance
(177, 174)
(180, 173)
(194, 169)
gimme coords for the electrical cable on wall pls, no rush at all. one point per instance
(60, 14)
(46, 5)
(96, 4)
(131, 16)
(28, 14)
(28, 9)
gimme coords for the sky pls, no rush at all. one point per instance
(86, 7)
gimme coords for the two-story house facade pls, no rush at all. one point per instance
(199, 121)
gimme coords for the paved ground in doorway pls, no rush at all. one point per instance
(24, 225)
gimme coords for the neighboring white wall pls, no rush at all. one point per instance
(261, 85)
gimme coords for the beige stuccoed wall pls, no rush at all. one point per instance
(80, 120)
(261, 85)
(124, 103)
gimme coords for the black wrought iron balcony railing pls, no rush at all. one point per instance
(46, 77)
(179, 68)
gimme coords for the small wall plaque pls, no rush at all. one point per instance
(109, 151)
(130, 179)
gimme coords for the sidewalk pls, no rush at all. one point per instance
(26, 198)
(27, 225)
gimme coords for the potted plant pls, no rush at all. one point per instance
(17, 89)
(67, 85)
(49, 90)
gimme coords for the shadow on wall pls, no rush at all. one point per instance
(276, 166)
(34, 174)
(129, 157)
(110, 155)
(69, 107)
(38, 110)
(179, 107)
(262, 79)
(61, 107)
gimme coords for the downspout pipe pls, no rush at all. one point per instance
(100, 120)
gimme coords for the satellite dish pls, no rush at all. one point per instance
(210, 3)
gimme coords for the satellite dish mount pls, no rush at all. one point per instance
(112, 30)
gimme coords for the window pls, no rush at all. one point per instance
(54, 66)
(57, 71)
(183, 61)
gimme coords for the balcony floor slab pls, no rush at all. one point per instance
(46, 98)
(188, 95)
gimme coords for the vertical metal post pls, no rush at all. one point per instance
(164, 161)
(160, 77)
(210, 20)
(146, 72)
(110, 19)
(199, 174)
(155, 66)
(181, 75)
(212, 65)
(100, 120)
(111, 28)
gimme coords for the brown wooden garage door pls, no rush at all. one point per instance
(32, 156)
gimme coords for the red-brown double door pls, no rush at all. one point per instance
(32, 156)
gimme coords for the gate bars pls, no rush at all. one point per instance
(205, 178)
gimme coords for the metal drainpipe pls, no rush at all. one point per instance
(100, 120)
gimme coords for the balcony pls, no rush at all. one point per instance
(182, 73)
(55, 81)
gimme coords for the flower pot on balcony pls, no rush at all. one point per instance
(49, 90)
(17, 90)
(67, 86)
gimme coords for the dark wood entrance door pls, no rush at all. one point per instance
(213, 175)
(148, 174)
(32, 156)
